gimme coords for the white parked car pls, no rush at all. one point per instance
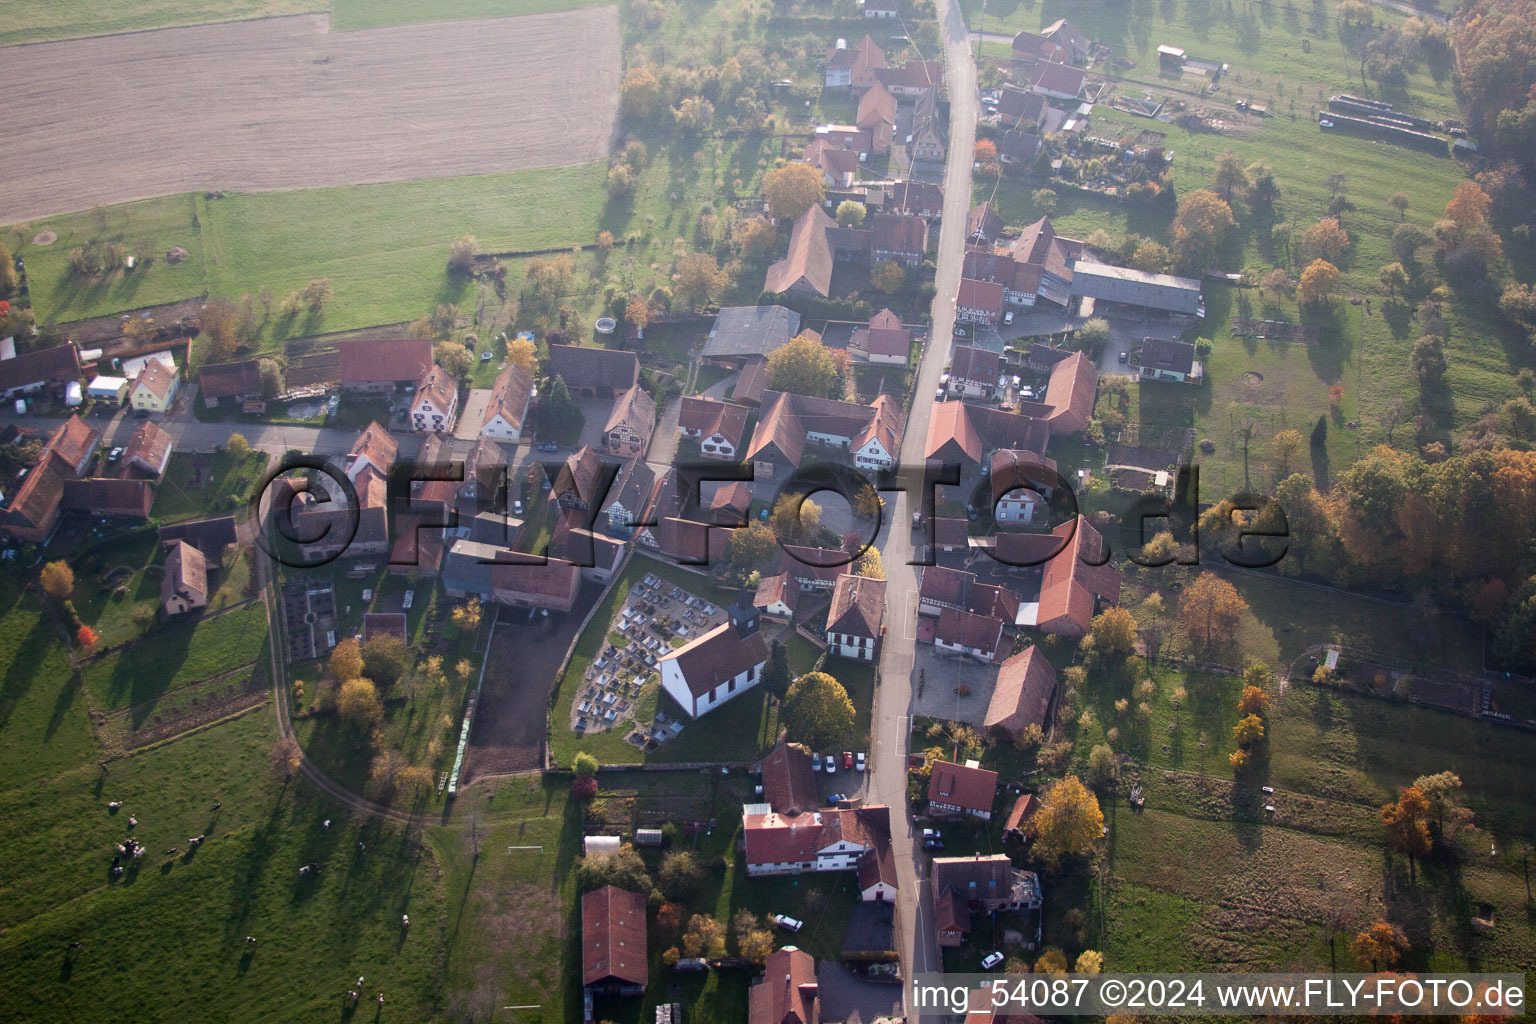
(859, 761)
(786, 922)
(831, 763)
(991, 961)
(1008, 317)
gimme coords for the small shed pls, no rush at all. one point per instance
(107, 389)
(648, 836)
(601, 847)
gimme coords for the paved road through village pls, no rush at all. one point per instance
(888, 773)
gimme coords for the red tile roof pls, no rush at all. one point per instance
(613, 936)
(959, 431)
(75, 441)
(375, 444)
(1022, 696)
(635, 409)
(157, 378)
(186, 576)
(710, 416)
(951, 533)
(977, 633)
(788, 992)
(1057, 78)
(773, 589)
(914, 74)
(971, 789)
(945, 586)
(510, 396)
(877, 106)
(109, 496)
(858, 606)
(899, 233)
(527, 579)
(718, 655)
(1071, 393)
(983, 295)
(594, 367)
(1069, 585)
(975, 365)
(789, 779)
(147, 451)
(810, 254)
(52, 366)
(396, 361)
(230, 380)
(438, 387)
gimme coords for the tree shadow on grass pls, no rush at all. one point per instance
(23, 669)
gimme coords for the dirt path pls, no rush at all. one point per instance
(284, 103)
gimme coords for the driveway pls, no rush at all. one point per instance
(945, 674)
(472, 414)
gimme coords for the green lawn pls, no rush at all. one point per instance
(43, 718)
(31, 21)
(354, 14)
(177, 655)
(186, 917)
(159, 224)
(198, 485)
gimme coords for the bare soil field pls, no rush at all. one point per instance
(284, 103)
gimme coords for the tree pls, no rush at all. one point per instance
(86, 637)
(522, 352)
(274, 375)
(1092, 335)
(414, 782)
(804, 366)
(624, 869)
(1089, 961)
(358, 704)
(1248, 732)
(870, 564)
(1068, 822)
(584, 764)
(285, 756)
(679, 875)
(1052, 961)
(1284, 449)
(699, 280)
(1103, 768)
(850, 214)
(755, 238)
(347, 660)
(693, 115)
(1428, 361)
(817, 710)
(776, 674)
(1399, 202)
(984, 152)
(1151, 256)
(669, 921)
(888, 276)
(753, 941)
(1408, 239)
(1407, 823)
(1253, 702)
(317, 293)
(1278, 281)
(461, 254)
(8, 279)
(1210, 611)
(1380, 947)
(1200, 228)
(1230, 175)
(385, 658)
(1114, 632)
(454, 358)
(57, 580)
(219, 323)
(1317, 282)
(1325, 239)
(640, 95)
(466, 617)
(1335, 181)
(1263, 191)
(1393, 278)
(705, 937)
(1160, 550)
(140, 330)
(1468, 207)
(752, 547)
(1044, 200)
(584, 788)
(795, 518)
(793, 189)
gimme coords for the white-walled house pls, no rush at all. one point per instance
(723, 663)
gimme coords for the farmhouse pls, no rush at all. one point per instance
(1057, 81)
(594, 372)
(530, 581)
(816, 243)
(929, 139)
(1017, 108)
(918, 198)
(630, 422)
(147, 453)
(962, 789)
(1038, 245)
(979, 302)
(723, 663)
(1031, 46)
(966, 434)
(1072, 585)
(776, 596)
(838, 164)
(973, 371)
(613, 956)
(813, 568)
(236, 382)
(743, 333)
(1138, 290)
(853, 67)
(108, 497)
(1069, 395)
(36, 504)
(856, 618)
(42, 369)
(507, 412)
(792, 1000)
(789, 779)
(982, 224)
(184, 587)
(870, 435)
(794, 842)
(913, 78)
(898, 238)
(1064, 33)
(156, 387)
(883, 341)
(877, 117)
(624, 504)
(1166, 359)
(383, 365)
(967, 633)
(963, 886)
(436, 402)
(1026, 686)
(599, 555)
